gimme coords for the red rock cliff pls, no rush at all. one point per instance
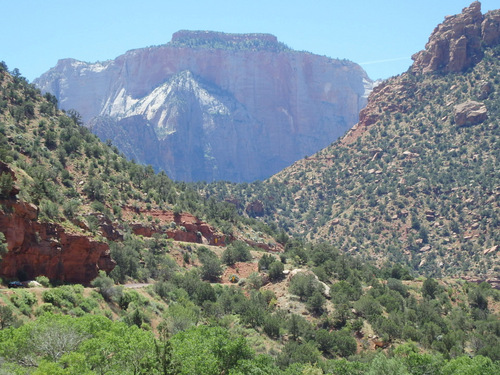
(457, 43)
(36, 248)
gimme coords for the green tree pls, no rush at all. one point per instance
(105, 285)
(429, 288)
(6, 182)
(276, 271)
(7, 318)
(211, 270)
(207, 350)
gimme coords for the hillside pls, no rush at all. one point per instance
(176, 282)
(211, 106)
(417, 180)
(72, 210)
(65, 195)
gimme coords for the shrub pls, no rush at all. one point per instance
(276, 271)
(43, 280)
(211, 269)
(105, 286)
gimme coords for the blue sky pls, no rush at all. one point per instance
(381, 35)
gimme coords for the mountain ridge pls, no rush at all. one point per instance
(416, 180)
(296, 102)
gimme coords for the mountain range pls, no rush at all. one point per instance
(388, 238)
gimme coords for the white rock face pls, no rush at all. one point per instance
(214, 113)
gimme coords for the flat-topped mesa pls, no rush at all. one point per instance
(212, 39)
(457, 44)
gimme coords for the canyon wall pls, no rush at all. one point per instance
(213, 106)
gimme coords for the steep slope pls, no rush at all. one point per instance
(212, 106)
(67, 201)
(417, 179)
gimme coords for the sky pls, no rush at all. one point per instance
(380, 35)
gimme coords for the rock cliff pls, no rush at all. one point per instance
(212, 106)
(36, 248)
(456, 44)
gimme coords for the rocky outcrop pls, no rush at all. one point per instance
(255, 208)
(457, 44)
(36, 248)
(470, 113)
(211, 106)
(180, 227)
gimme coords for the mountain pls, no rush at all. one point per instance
(220, 293)
(214, 106)
(71, 206)
(417, 180)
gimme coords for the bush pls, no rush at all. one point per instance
(211, 270)
(265, 262)
(105, 286)
(305, 285)
(43, 280)
(271, 326)
(276, 271)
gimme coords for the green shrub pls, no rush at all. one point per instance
(276, 271)
(43, 280)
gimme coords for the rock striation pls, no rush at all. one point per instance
(177, 226)
(457, 44)
(35, 248)
(211, 106)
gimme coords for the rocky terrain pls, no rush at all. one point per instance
(213, 106)
(417, 179)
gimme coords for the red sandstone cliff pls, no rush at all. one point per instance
(36, 248)
(454, 46)
(457, 43)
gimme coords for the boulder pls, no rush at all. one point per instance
(470, 113)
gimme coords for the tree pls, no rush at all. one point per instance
(430, 288)
(207, 350)
(471, 366)
(305, 285)
(105, 286)
(293, 352)
(276, 271)
(211, 270)
(6, 182)
(316, 302)
(6, 316)
(3, 246)
(387, 366)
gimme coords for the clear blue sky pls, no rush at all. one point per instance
(381, 35)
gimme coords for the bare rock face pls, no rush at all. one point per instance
(456, 44)
(212, 106)
(36, 248)
(470, 113)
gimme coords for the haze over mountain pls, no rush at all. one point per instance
(212, 106)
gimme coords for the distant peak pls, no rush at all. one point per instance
(219, 40)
